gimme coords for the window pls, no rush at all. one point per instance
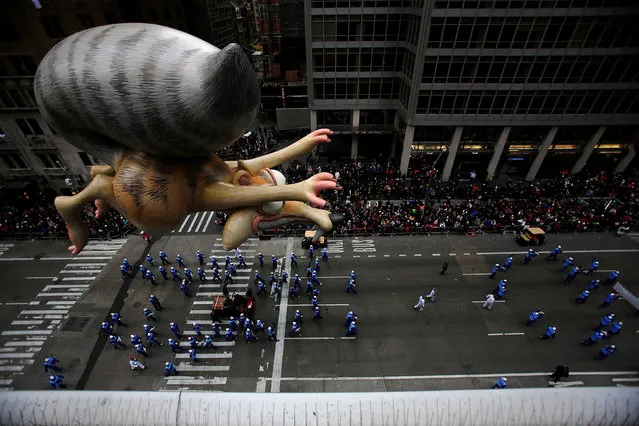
(23, 64)
(8, 31)
(14, 161)
(85, 20)
(86, 160)
(50, 160)
(17, 98)
(52, 26)
(29, 126)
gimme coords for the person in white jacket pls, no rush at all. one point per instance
(420, 303)
(135, 364)
(490, 299)
(432, 295)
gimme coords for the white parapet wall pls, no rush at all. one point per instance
(507, 407)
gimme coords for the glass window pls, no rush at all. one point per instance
(85, 20)
(52, 26)
(35, 126)
(24, 127)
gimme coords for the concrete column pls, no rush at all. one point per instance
(406, 148)
(396, 120)
(499, 148)
(452, 152)
(393, 147)
(355, 118)
(313, 120)
(543, 150)
(588, 149)
(625, 161)
(354, 143)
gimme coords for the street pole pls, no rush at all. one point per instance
(430, 178)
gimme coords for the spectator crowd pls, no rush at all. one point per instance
(377, 199)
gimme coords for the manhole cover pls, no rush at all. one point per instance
(137, 304)
(76, 324)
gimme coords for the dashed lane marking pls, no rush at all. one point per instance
(436, 254)
(401, 255)
(505, 334)
(416, 255)
(320, 338)
(626, 379)
(486, 253)
(40, 278)
(483, 301)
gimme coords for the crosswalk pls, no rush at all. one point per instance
(21, 341)
(197, 223)
(211, 372)
(634, 236)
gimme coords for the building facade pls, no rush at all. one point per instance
(29, 149)
(515, 88)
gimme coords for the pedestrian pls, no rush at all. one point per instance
(180, 261)
(116, 341)
(149, 259)
(260, 258)
(175, 328)
(609, 299)
(560, 371)
(551, 332)
(534, 316)
(420, 304)
(193, 355)
(612, 278)
(169, 369)
(117, 319)
(51, 363)
(294, 260)
(432, 294)
(530, 255)
(553, 254)
(496, 268)
(501, 383)
(583, 296)
(606, 351)
(135, 364)
(490, 299)
(56, 382)
(141, 349)
(352, 329)
(155, 302)
(148, 314)
(164, 258)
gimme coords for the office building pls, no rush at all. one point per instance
(515, 88)
(29, 149)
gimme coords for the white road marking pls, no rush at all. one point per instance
(81, 271)
(356, 256)
(371, 255)
(5, 382)
(565, 251)
(208, 294)
(61, 302)
(278, 357)
(24, 332)
(42, 312)
(401, 255)
(565, 384)
(197, 228)
(204, 302)
(495, 334)
(483, 301)
(78, 279)
(16, 303)
(58, 294)
(220, 285)
(200, 312)
(186, 220)
(11, 259)
(193, 222)
(11, 367)
(73, 258)
(222, 355)
(40, 278)
(84, 253)
(626, 379)
(17, 355)
(195, 367)
(417, 255)
(338, 256)
(58, 286)
(27, 322)
(221, 343)
(466, 254)
(3, 350)
(452, 254)
(29, 343)
(74, 265)
(452, 376)
(436, 254)
(195, 380)
(387, 255)
(320, 338)
(303, 305)
(206, 225)
(505, 334)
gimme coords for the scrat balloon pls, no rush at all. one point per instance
(154, 104)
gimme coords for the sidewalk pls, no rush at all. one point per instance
(78, 348)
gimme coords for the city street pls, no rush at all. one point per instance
(453, 344)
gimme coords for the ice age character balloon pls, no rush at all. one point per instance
(154, 104)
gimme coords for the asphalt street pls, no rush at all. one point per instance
(453, 344)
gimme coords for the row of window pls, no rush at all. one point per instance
(366, 117)
(353, 88)
(366, 3)
(49, 160)
(531, 70)
(358, 59)
(470, 4)
(529, 102)
(17, 65)
(531, 33)
(381, 27)
(17, 97)
(526, 4)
